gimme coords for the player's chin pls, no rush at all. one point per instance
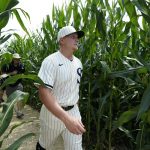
(75, 48)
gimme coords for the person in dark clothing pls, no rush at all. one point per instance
(15, 67)
(3, 77)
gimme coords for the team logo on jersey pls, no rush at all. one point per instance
(60, 64)
(79, 72)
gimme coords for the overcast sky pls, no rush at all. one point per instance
(37, 9)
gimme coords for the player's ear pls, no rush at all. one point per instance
(61, 41)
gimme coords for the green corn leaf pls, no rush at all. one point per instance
(4, 18)
(125, 117)
(61, 18)
(127, 28)
(109, 9)
(4, 4)
(26, 15)
(4, 38)
(145, 103)
(5, 58)
(53, 13)
(76, 15)
(47, 36)
(8, 106)
(20, 20)
(105, 66)
(69, 12)
(18, 142)
(5, 10)
(101, 26)
(147, 18)
(13, 79)
(134, 59)
(144, 8)
(120, 4)
(12, 129)
(12, 4)
(49, 25)
(127, 132)
(17, 36)
(131, 11)
(123, 73)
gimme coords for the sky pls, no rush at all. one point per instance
(37, 9)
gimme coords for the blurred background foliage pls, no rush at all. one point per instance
(115, 52)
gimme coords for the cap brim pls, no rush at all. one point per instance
(16, 57)
(80, 34)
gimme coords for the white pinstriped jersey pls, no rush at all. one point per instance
(62, 76)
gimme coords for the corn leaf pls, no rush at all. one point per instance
(4, 38)
(18, 142)
(4, 5)
(125, 117)
(145, 103)
(144, 8)
(8, 106)
(20, 20)
(101, 26)
(13, 79)
(4, 18)
(131, 12)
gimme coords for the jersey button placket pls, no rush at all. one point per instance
(71, 73)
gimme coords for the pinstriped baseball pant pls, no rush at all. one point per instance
(52, 128)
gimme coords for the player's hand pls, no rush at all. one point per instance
(74, 125)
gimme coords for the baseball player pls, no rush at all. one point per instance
(61, 73)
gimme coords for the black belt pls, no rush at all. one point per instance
(67, 107)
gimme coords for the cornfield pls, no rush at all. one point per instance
(115, 52)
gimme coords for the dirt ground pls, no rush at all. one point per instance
(33, 126)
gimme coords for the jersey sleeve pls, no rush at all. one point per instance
(47, 73)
